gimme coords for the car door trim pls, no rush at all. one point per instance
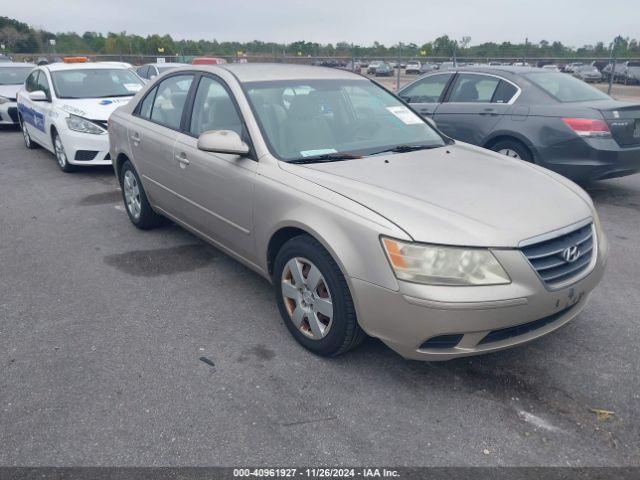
(204, 209)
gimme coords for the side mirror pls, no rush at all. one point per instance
(222, 141)
(38, 96)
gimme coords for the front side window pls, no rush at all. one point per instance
(43, 84)
(14, 75)
(31, 83)
(428, 90)
(213, 109)
(147, 104)
(470, 88)
(302, 119)
(170, 100)
(566, 88)
(95, 83)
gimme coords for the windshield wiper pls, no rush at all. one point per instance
(327, 157)
(405, 149)
(118, 95)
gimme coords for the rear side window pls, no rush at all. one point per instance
(427, 90)
(566, 88)
(470, 88)
(170, 99)
(213, 109)
(504, 93)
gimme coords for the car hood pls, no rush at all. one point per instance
(9, 91)
(456, 195)
(93, 108)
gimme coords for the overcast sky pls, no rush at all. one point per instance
(574, 22)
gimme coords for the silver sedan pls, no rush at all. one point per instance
(365, 218)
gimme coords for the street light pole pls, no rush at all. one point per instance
(399, 62)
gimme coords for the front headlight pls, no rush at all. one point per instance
(439, 265)
(80, 124)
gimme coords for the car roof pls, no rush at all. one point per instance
(55, 67)
(516, 70)
(17, 64)
(169, 64)
(256, 72)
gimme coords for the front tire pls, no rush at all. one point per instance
(314, 299)
(135, 199)
(513, 149)
(61, 155)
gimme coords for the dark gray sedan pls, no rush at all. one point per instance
(548, 118)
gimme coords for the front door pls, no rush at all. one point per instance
(218, 188)
(425, 94)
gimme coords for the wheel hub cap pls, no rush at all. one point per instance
(132, 194)
(307, 298)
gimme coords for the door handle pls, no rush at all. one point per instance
(489, 111)
(425, 111)
(182, 159)
(135, 138)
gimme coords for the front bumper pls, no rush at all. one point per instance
(9, 113)
(584, 160)
(85, 148)
(407, 318)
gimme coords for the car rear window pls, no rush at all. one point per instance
(565, 88)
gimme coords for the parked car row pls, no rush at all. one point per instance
(348, 198)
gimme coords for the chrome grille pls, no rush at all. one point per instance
(548, 257)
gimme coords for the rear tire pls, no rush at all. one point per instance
(30, 144)
(514, 149)
(303, 302)
(135, 199)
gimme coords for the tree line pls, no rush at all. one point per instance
(18, 37)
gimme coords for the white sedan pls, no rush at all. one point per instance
(64, 107)
(12, 76)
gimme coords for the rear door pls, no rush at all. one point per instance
(473, 106)
(425, 95)
(152, 132)
(217, 187)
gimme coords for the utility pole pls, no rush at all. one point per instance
(526, 50)
(399, 62)
(612, 62)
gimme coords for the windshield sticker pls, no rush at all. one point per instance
(73, 110)
(132, 87)
(322, 151)
(405, 115)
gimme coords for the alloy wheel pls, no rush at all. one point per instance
(307, 298)
(509, 153)
(25, 134)
(132, 194)
(60, 153)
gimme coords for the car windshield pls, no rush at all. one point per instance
(330, 119)
(14, 75)
(566, 88)
(166, 69)
(95, 83)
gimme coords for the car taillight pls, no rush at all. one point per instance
(588, 127)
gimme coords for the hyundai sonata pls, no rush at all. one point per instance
(364, 217)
